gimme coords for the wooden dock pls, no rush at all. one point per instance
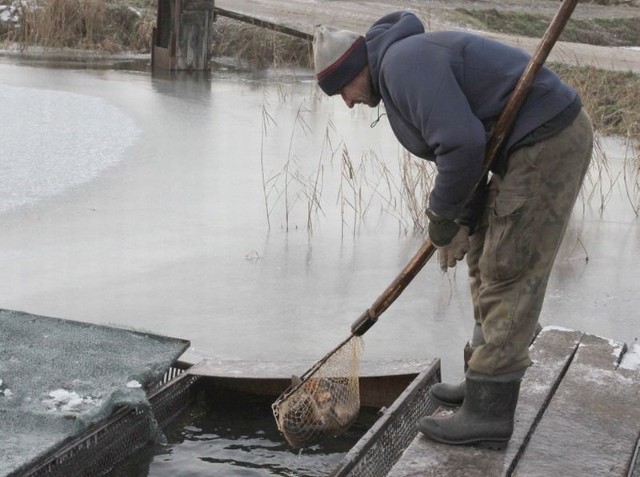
(578, 415)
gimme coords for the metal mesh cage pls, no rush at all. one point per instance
(126, 431)
(380, 448)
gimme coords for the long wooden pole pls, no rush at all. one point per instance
(501, 131)
(422, 256)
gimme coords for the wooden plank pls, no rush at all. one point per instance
(551, 353)
(192, 49)
(264, 23)
(205, 6)
(591, 425)
(161, 58)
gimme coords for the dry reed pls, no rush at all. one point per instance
(81, 24)
(259, 47)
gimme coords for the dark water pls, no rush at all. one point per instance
(237, 436)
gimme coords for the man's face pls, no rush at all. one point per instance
(358, 91)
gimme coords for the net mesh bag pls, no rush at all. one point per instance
(325, 401)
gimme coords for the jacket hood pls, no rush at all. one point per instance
(384, 33)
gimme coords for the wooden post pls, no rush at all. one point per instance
(182, 36)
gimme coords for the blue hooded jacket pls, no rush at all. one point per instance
(443, 91)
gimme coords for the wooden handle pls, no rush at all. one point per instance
(501, 131)
(519, 94)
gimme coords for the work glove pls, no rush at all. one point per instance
(441, 230)
(450, 254)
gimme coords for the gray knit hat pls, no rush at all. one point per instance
(339, 55)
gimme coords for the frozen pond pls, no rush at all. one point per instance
(219, 210)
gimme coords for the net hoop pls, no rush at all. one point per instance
(325, 401)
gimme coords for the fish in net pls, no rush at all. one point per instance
(325, 401)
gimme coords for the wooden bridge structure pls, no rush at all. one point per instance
(578, 415)
(183, 33)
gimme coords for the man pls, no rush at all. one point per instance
(443, 92)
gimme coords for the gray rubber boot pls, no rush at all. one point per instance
(448, 395)
(486, 416)
(452, 395)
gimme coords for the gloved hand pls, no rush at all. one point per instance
(441, 230)
(456, 250)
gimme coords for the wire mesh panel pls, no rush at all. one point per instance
(67, 378)
(381, 447)
(98, 450)
(129, 430)
(126, 431)
(173, 398)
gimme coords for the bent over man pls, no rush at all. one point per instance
(443, 92)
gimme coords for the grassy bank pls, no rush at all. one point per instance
(610, 97)
(624, 31)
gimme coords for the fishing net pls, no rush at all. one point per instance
(62, 377)
(325, 401)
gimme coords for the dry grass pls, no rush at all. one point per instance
(612, 98)
(259, 47)
(83, 24)
(624, 31)
(367, 185)
(367, 188)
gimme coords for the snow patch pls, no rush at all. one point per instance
(598, 377)
(62, 400)
(4, 390)
(631, 360)
(556, 328)
(618, 348)
(536, 388)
